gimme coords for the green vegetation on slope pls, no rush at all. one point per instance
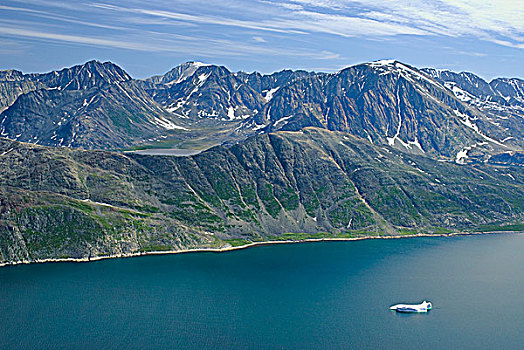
(59, 202)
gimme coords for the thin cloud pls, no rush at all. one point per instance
(21, 9)
(77, 39)
(162, 42)
(295, 21)
(498, 21)
(316, 33)
(10, 47)
(215, 20)
(501, 22)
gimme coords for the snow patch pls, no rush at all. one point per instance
(87, 200)
(462, 95)
(258, 127)
(391, 140)
(4, 153)
(231, 113)
(381, 63)
(465, 119)
(420, 170)
(282, 120)
(368, 136)
(391, 66)
(203, 77)
(416, 74)
(269, 94)
(188, 72)
(416, 144)
(167, 124)
(463, 154)
(85, 104)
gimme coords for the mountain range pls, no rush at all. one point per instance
(380, 148)
(99, 106)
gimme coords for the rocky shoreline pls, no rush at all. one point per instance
(245, 246)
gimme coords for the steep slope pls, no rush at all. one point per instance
(214, 101)
(449, 116)
(14, 83)
(387, 102)
(501, 100)
(59, 202)
(472, 88)
(511, 89)
(95, 105)
(268, 84)
(195, 90)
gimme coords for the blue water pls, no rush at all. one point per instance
(332, 295)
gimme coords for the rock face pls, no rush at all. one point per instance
(13, 84)
(59, 202)
(388, 102)
(447, 115)
(95, 105)
(195, 91)
(501, 102)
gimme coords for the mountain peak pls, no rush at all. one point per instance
(182, 72)
(89, 74)
(107, 67)
(391, 65)
(380, 63)
(93, 62)
(11, 75)
(196, 63)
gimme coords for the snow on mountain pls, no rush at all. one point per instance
(422, 111)
(182, 72)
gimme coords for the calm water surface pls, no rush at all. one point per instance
(332, 295)
(176, 152)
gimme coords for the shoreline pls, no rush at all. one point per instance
(245, 246)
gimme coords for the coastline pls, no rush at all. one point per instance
(245, 246)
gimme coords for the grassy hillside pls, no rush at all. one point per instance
(59, 202)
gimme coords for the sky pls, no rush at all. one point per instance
(150, 37)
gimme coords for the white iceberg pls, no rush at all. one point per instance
(425, 306)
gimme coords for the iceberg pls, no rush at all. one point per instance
(425, 306)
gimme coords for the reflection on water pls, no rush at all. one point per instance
(410, 314)
(168, 152)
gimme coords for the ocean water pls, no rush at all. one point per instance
(332, 295)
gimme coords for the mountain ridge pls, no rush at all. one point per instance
(231, 105)
(94, 105)
(62, 202)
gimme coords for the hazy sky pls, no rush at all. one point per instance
(150, 37)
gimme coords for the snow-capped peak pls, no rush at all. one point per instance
(182, 72)
(382, 63)
(197, 64)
